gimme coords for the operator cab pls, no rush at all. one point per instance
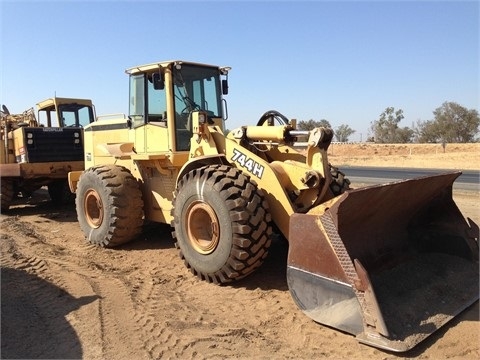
(65, 112)
(166, 95)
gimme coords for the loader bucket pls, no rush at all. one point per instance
(390, 263)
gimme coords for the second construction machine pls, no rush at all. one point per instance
(388, 263)
(41, 152)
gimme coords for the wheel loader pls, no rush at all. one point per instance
(41, 152)
(389, 263)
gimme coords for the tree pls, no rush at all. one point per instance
(404, 135)
(452, 123)
(386, 129)
(427, 132)
(343, 132)
(312, 124)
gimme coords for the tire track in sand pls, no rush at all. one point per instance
(116, 332)
(34, 308)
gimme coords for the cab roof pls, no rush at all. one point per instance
(52, 103)
(164, 64)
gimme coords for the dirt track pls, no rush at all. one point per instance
(63, 298)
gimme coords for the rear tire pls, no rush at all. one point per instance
(339, 183)
(109, 205)
(222, 223)
(60, 193)
(7, 194)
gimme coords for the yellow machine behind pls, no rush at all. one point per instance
(41, 152)
(389, 263)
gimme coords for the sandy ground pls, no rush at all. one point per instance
(433, 156)
(63, 298)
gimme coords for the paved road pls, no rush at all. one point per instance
(468, 180)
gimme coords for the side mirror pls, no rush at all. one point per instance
(158, 82)
(224, 86)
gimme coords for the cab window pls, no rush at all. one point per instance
(157, 104)
(137, 100)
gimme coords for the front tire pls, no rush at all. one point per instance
(222, 223)
(109, 205)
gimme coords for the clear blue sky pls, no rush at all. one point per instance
(344, 61)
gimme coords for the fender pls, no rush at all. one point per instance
(202, 161)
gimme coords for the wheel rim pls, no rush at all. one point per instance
(203, 227)
(93, 208)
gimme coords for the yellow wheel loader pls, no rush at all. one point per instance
(41, 152)
(389, 264)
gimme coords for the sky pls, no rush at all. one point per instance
(343, 61)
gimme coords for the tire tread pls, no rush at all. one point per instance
(124, 203)
(251, 221)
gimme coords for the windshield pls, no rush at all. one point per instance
(197, 88)
(75, 114)
(67, 115)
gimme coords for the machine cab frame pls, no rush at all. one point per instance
(166, 94)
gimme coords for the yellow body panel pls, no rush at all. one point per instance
(145, 151)
(3, 153)
(263, 174)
